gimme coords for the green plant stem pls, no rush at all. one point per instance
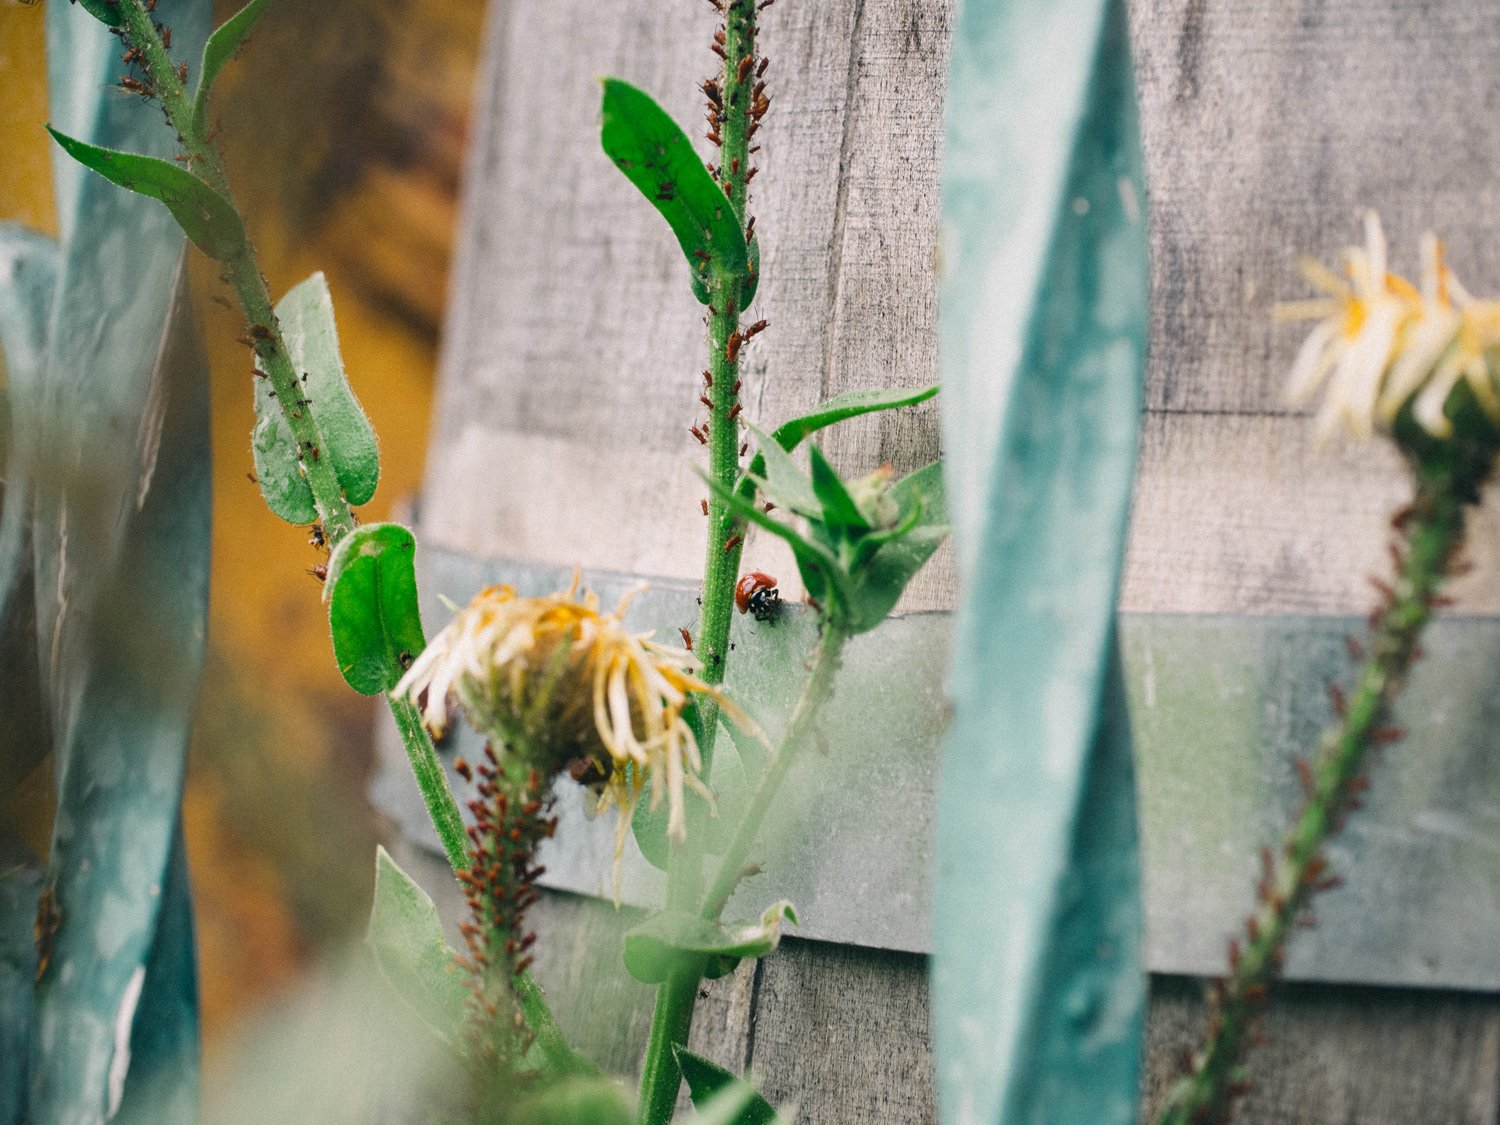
(433, 782)
(815, 693)
(333, 508)
(673, 1017)
(1433, 532)
(675, 998)
(264, 330)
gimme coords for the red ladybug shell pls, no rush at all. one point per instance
(750, 583)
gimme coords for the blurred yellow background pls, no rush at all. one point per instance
(343, 126)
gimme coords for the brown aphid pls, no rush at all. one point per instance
(734, 412)
(463, 769)
(744, 69)
(761, 69)
(697, 433)
(260, 332)
(1336, 700)
(1305, 775)
(252, 478)
(319, 571)
(704, 505)
(755, 329)
(182, 73)
(706, 401)
(732, 542)
(687, 638)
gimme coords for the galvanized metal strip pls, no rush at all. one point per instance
(1220, 707)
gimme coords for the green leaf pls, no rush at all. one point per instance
(105, 11)
(780, 479)
(840, 511)
(204, 215)
(851, 404)
(222, 46)
(882, 575)
(657, 157)
(708, 1081)
(372, 606)
(406, 941)
(665, 940)
(307, 326)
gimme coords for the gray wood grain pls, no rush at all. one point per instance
(571, 357)
(1333, 1055)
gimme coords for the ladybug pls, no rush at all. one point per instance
(756, 594)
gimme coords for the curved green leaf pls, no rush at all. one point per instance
(222, 46)
(1037, 988)
(307, 326)
(406, 942)
(204, 215)
(665, 940)
(840, 512)
(708, 1081)
(850, 404)
(899, 553)
(657, 157)
(372, 606)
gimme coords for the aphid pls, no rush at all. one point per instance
(687, 638)
(313, 449)
(252, 478)
(182, 73)
(319, 571)
(764, 62)
(756, 594)
(704, 505)
(260, 332)
(732, 542)
(734, 412)
(697, 433)
(744, 447)
(706, 401)
(135, 87)
(744, 69)
(316, 538)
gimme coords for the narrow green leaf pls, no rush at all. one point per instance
(372, 606)
(406, 941)
(105, 11)
(311, 335)
(708, 1081)
(204, 215)
(222, 46)
(781, 480)
(840, 511)
(851, 404)
(665, 940)
(657, 157)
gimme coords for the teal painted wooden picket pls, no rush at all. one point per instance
(111, 424)
(1038, 989)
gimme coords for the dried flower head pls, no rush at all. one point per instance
(1382, 344)
(558, 682)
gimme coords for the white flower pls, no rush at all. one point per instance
(557, 681)
(1381, 343)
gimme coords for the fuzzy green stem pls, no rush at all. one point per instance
(433, 782)
(675, 999)
(265, 333)
(815, 693)
(1433, 530)
(737, 120)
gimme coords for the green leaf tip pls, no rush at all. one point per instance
(311, 335)
(720, 1093)
(222, 46)
(372, 606)
(105, 11)
(656, 156)
(406, 942)
(205, 216)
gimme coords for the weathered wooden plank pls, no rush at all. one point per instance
(842, 1034)
(1342, 1054)
(570, 370)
